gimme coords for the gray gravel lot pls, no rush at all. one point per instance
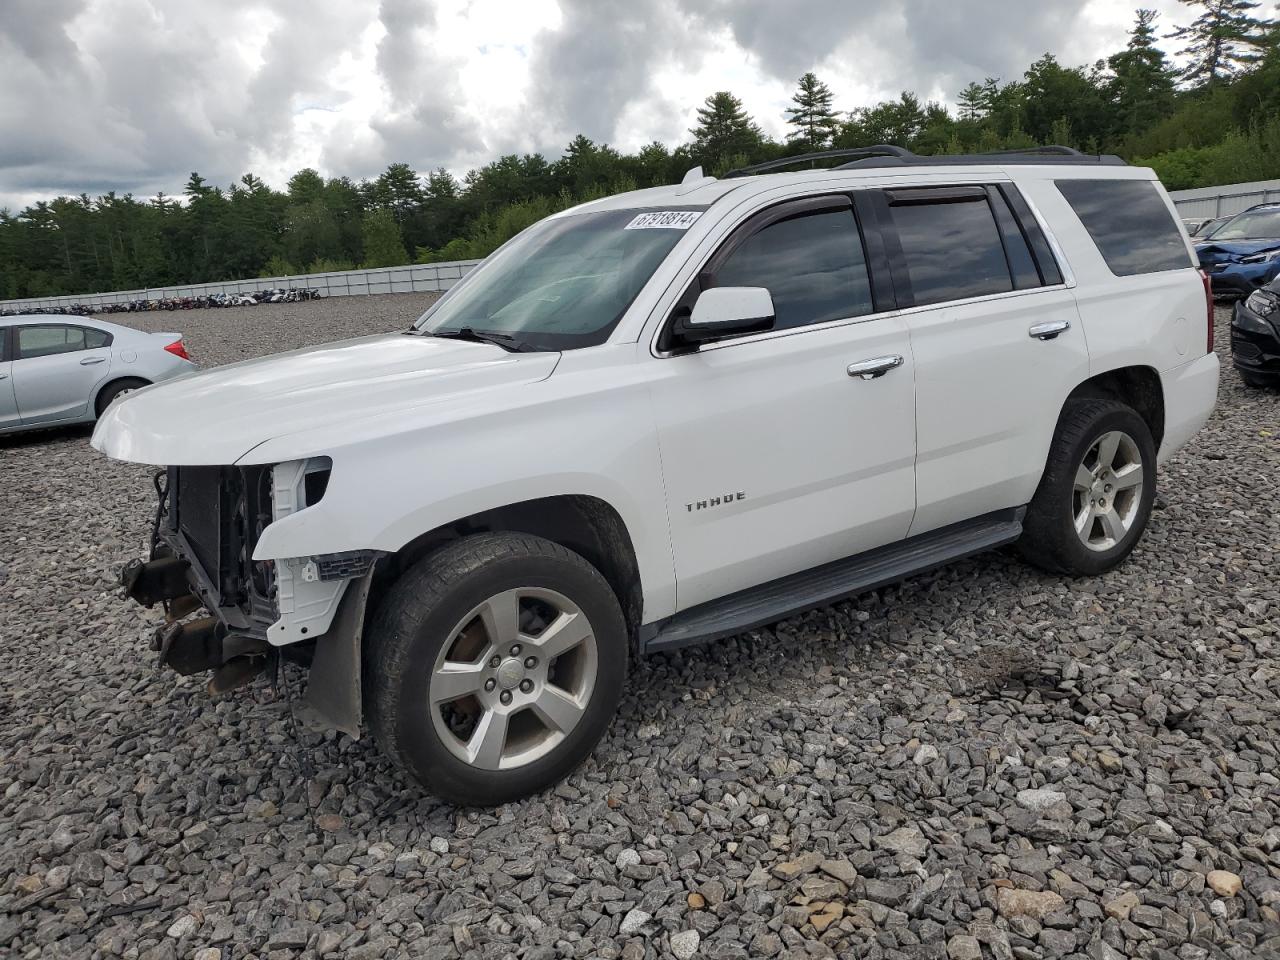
(983, 762)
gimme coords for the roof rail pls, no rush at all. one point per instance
(888, 155)
(879, 150)
(1050, 154)
(1056, 149)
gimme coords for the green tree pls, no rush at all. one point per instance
(1141, 85)
(383, 246)
(724, 131)
(896, 122)
(398, 189)
(306, 186)
(813, 116)
(1223, 39)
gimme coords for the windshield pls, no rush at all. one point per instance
(1253, 225)
(563, 283)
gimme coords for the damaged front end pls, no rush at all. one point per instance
(208, 522)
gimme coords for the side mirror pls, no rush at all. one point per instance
(722, 312)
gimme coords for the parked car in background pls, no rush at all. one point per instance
(1243, 254)
(670, 416)
(55, 373)
(1255, 337)
(1206, 228)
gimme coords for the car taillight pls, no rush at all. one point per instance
(180, 351)
(1208, 303)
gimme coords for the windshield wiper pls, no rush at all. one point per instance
(504, 340)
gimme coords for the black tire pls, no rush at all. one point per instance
(112, 390)
(1049, 538)
(417, 618)
(1257, 382)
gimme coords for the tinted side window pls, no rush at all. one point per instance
(46, 341)
(813, 265)
(1130, 223)
(95, 338)
(951, 247)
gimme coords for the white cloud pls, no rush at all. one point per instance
(132, 95)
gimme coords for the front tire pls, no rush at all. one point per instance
(494, 666)
(1095, 497)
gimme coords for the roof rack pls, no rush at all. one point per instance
(887, 155)
(879, 150)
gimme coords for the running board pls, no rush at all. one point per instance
(823, 585)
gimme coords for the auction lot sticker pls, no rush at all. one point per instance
(664, 220)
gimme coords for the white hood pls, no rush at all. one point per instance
(217, 416)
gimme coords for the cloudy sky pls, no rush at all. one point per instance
(132, 95)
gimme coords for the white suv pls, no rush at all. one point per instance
(671, 416)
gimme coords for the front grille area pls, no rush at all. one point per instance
(219, 513)
(194, 509)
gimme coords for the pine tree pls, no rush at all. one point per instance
(812, 116)
(974, 103)
(1223, 39)
(724, 130)
(1142, 85)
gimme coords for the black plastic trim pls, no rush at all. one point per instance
(823, 585)
(1050, 272)
(878, 203)
(873, 245)
(1022, 269)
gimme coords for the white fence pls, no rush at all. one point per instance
(414, 278)
(1207, 202)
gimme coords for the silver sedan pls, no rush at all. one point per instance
(58, 370)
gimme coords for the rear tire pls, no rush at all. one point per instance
(494, 666)
(113, 391)
(1095, 497)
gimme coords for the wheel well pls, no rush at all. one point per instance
(1139, 387)
(97, 405)
(588, 526)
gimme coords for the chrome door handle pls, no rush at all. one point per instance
(88, 361)
(878, 367)
(1048, 329)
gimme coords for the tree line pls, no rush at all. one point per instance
(1215, 121)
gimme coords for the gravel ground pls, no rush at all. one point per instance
(983, 762)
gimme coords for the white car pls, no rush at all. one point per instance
(671, 416)
(56, 371)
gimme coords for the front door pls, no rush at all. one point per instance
(56, 369)
(775, 458)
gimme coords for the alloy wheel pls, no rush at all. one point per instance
(514, 678)
(1108, 491)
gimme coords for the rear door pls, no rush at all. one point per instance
(997, 343)
(8, 402)
(57, 368)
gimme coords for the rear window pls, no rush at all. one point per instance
(1128, 220)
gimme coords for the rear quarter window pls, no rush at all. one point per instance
(1130, 224)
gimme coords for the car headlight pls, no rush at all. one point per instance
(1265, 257)
(1263, 303)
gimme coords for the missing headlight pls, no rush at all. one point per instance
(316, 481)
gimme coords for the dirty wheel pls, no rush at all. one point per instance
(494, 666)
(1095, 497)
